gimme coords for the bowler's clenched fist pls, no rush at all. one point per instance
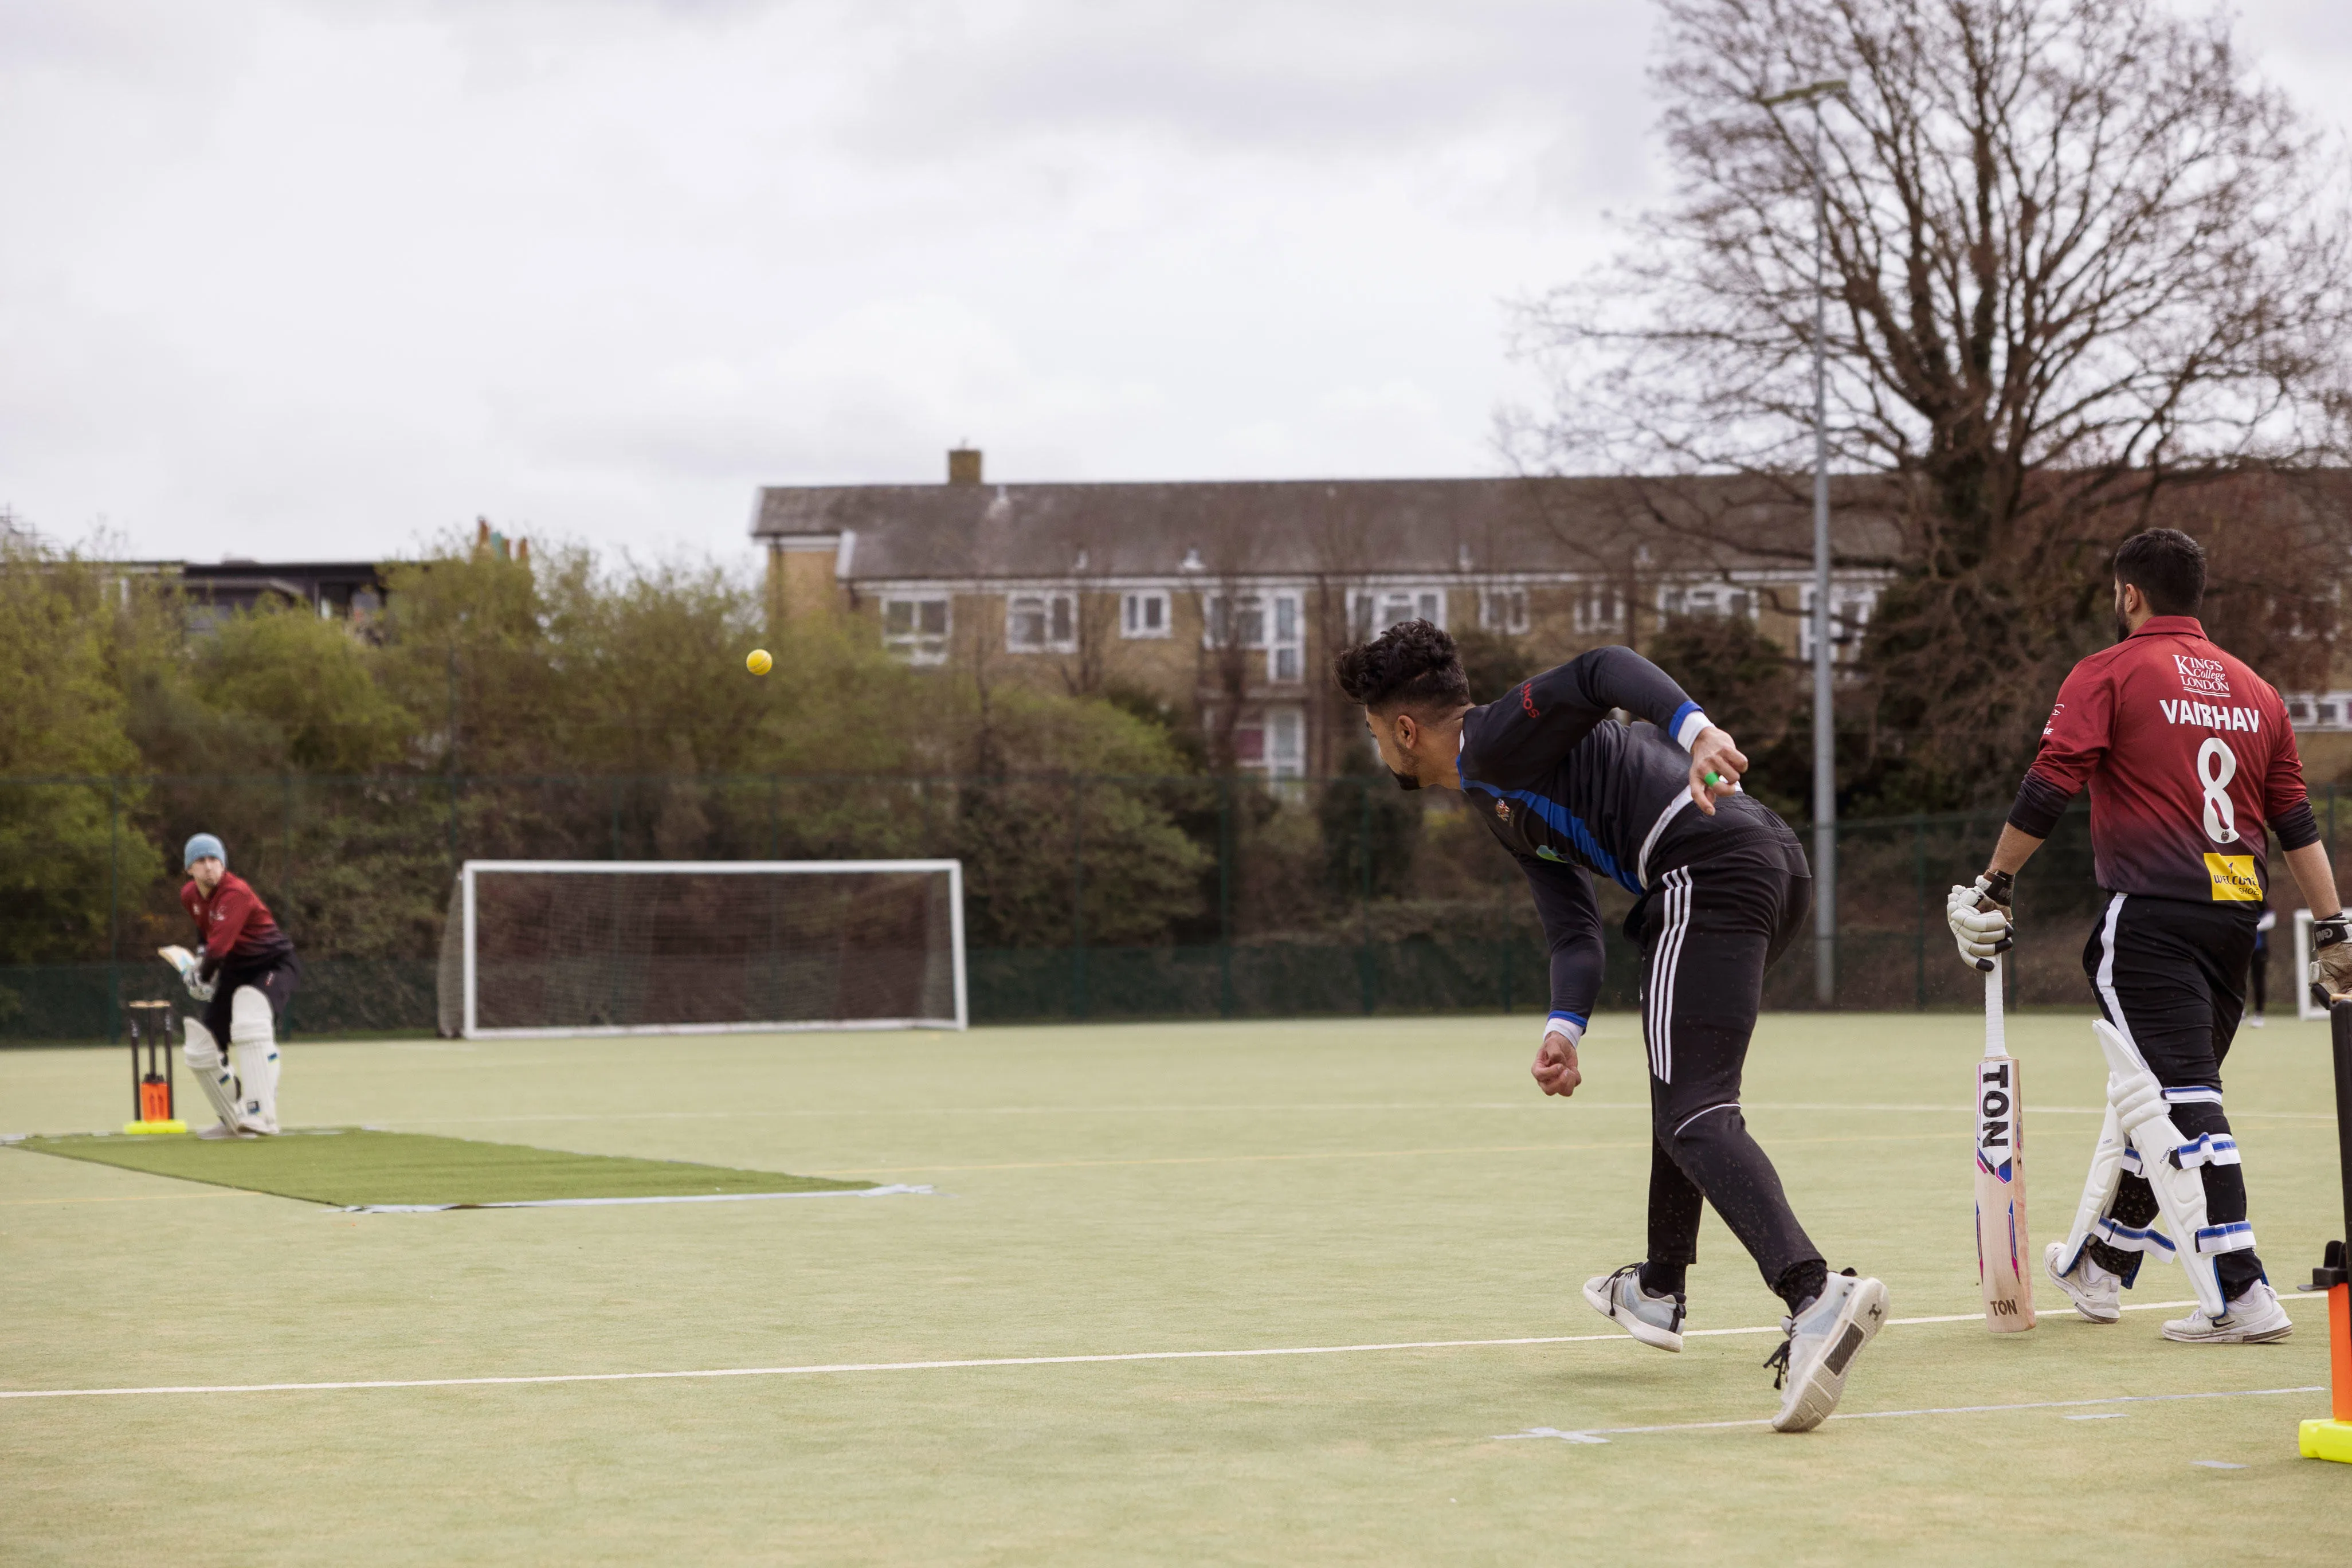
(1555, 1069)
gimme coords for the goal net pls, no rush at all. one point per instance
(620, 947)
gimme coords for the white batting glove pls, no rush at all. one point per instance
(191, 972)
(2331, 958)
(1981, 919)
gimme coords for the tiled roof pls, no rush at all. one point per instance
(1311, 527)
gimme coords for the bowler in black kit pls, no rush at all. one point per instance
(1720, 887)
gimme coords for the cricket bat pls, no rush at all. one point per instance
(2002, 1249)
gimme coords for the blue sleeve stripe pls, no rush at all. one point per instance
(1674, 725)
(1576, 1018)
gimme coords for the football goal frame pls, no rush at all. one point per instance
(471, 1028)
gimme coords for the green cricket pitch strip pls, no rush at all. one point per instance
(1263, 1292)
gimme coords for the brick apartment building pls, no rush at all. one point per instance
(1227, 600)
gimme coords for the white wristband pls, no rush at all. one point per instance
(1688, 734)
(1569, 1029)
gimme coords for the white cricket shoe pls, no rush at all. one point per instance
(2096, 1291)
(1824, 1339)
(1623, 1300)
(2255, 1022)
(2254, 1318)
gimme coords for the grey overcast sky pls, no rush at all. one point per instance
(312, 278)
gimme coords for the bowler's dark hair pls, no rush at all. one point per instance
(2166, 567)
(1412, 665)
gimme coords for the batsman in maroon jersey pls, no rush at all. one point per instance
(2191, 766)
(242, 971)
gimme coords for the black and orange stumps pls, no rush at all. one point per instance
(2332, 1439)
(153, 1090)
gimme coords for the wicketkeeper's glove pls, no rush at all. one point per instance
(1979, 917)
(2331, 958)
(191, 971)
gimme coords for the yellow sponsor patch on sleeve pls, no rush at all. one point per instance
(2233, 878)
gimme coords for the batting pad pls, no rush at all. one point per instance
(356, 1167)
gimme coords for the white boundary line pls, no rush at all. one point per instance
(833, 1367)
(891, 1191)
(1603, 1433)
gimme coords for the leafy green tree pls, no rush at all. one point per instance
(308, 686)
(65, 852)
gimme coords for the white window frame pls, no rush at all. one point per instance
(1132, 613)
(1850, 605)
(1370, 611)
(1710, 596)
(1280, 628)
(917, 646)
(1284, 723)
(1503, 609)
(2322, 711)
(1589, 618)
(1050, 600)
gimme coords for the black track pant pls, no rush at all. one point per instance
(1709, 928)
(2166, 972)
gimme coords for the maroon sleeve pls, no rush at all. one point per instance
(2074, 737)
(233, 905)
(2286, 804)
(2081, 724)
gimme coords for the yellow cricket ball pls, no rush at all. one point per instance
(759, 663)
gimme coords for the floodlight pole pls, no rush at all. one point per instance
(1824, 706)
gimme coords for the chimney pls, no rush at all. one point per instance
(963, 465)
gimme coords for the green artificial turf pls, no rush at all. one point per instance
(1116, 1190)
(353, 1167)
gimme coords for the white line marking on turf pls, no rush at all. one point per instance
(950, 1365)
(891, 1191)
(2215, 1465)
(1603, 1433)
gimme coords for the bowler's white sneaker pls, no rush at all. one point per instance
(2253, 1319)
(2098, 1292)
(1824, 1339)
(1620, 1297)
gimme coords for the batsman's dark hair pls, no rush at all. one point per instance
(2166, 567)
(1412, 665)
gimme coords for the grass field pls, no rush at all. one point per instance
(1112, 1191)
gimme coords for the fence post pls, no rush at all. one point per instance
(1225, 895)
(2333, 864)
(775, 841)
(113, 911)
(285, 788)
(614, 795)
(285, 890)
(1365, 979)
(1836, 975)
(1919, 911)
(1077, 896)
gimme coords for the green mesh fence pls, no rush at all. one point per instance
(1086, 898)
